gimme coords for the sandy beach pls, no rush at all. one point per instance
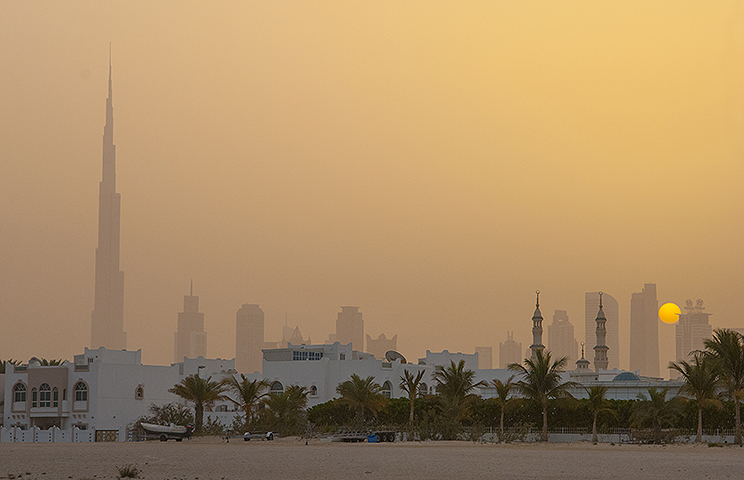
(290, 458)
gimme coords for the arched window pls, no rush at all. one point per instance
(19, 392)
(45, 396)
(34, 398)
(313, 391)
(81, 392)
(55, 397)
(387, 389)
(277, 387)
(139, 393)
(423, 389)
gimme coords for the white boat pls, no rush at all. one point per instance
(166, 432)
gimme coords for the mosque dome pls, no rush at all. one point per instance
(626, 377)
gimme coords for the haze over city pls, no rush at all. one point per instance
(433, 164)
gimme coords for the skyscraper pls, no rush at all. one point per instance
(350, 328)
(610, 307)
(537, 330)
(190, 338)
(107, 319)
(692, 329)
(644, 331)
(510, 351)
(561, 340)
(485, 357)
(249, 339)
(600, 350)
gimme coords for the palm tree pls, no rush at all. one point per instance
(454, 382)
(503, 389)
(597, 402)
(287, 408)
(246, 394)
(410, 385)
(727, 348)
(656, 410)
(200, 391)
(52, 363)
(701, 383)
(360, 393)
(541, 381)
(9, 362)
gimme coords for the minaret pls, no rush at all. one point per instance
(107, 320)
(600, 351)
(537, 330)
(582, 363)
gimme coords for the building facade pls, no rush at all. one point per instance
(249, 338)
(561, 340)
(381, 345)
(350, 328)
(692, 329)
(190, 339)
(644, 331)
(485, 357)
(509, 351)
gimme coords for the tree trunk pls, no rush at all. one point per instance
(410, 417)
(198, 417)
(545, 423)
(594, 429)
(699, 437)
(737, 438)
(501, 426)
(360, 415)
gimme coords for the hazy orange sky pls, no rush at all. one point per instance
(433, 163)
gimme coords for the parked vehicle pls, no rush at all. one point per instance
(262, 436)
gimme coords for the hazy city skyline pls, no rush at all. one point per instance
(432, 165)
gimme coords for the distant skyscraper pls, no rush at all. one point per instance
(350, 328)
(485, 357)
(537, 330)
(509, 351)
(610, 307)
(107, 319)
(561, 340)
(190, 338)
(692, 328)
(249, 339)
(381, 345)
(600, 350)
(644, 331)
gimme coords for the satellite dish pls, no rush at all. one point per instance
(392, 355)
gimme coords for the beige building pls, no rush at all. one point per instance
(692, 329)
(190, 338)
(644, 331)
(249, 338)
(381, 345)
(561, 340)
(485, 357)
(509, 351)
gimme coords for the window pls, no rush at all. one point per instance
(342, 356)
(81, 392)
(423, 389)
(277, 387)
(316, 355)
(34, 398)
(64, 394)
(139, 393)
(19, 392)
(313, 391)
(55, 397)
(387, 389)
(45, 396)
